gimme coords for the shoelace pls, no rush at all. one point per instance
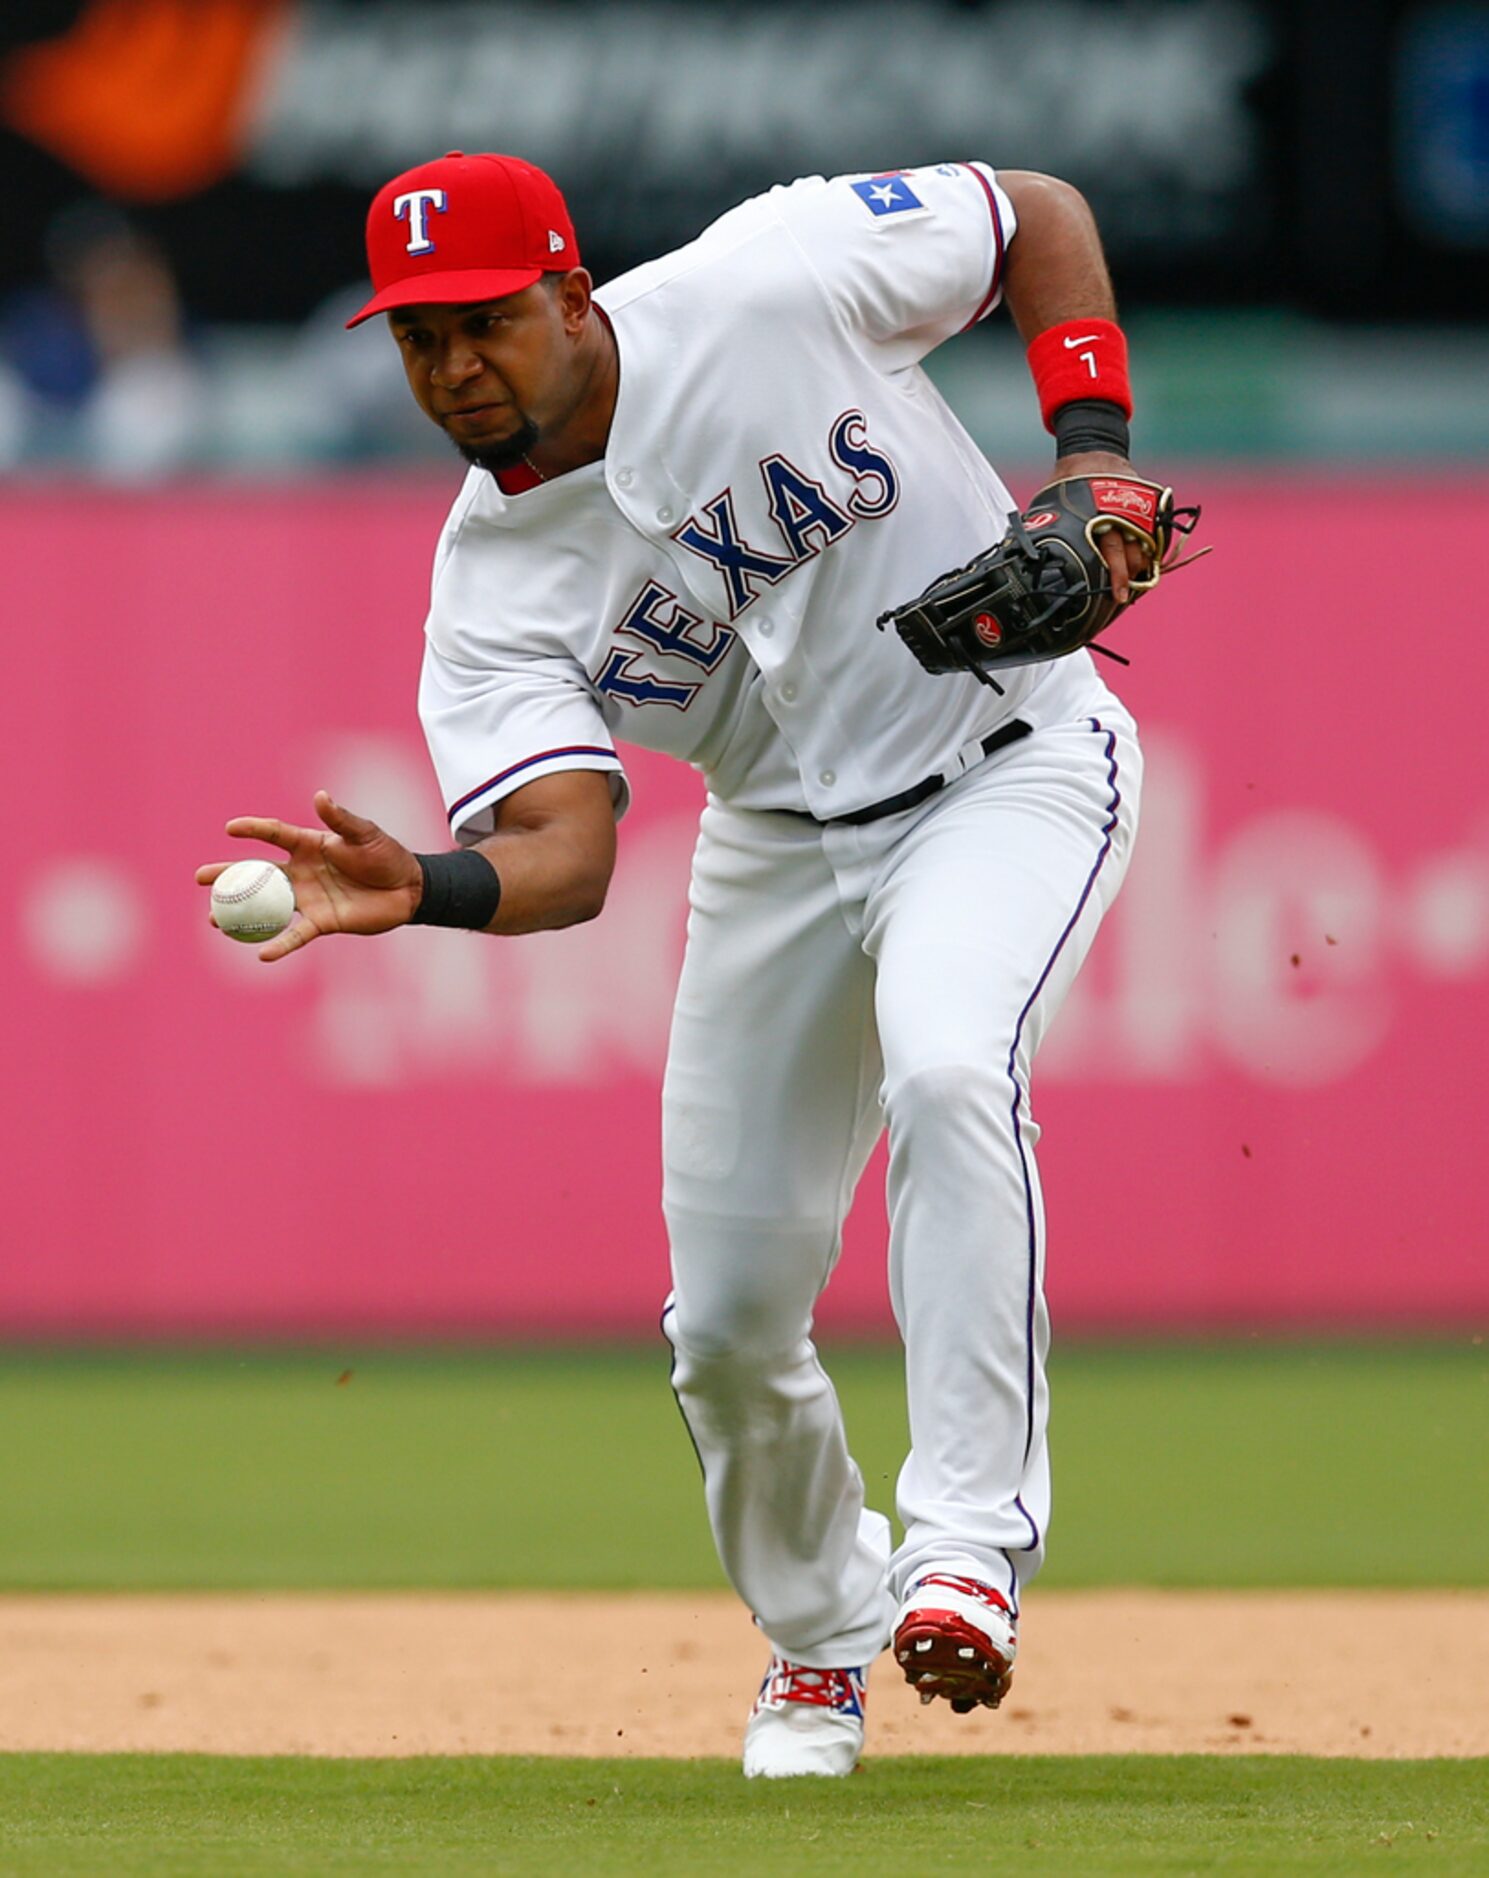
(822, 1688)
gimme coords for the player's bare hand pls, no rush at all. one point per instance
(349, 876)
(1127, 560)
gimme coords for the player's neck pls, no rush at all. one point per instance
(582, 438)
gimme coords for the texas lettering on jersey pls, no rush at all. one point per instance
(660, 618)
(809, 520)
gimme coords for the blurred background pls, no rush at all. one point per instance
(1266, 1101)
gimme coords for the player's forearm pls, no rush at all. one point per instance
(547, 863)
(1055, 270)
(551, 876)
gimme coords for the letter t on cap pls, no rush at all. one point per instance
(414, 208)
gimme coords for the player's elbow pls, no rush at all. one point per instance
(591, 868)
(575, 892)
(585, 902)
(1040, 198)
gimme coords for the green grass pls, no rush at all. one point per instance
(1230, 1464)
(175, 1814)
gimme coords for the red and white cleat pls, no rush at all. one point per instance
(955, 1637)
(805, 1721)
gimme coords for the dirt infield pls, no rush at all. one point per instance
(1337, 1673)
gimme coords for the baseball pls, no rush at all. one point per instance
(252, 900)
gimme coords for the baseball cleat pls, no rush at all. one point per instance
(805, 1721)
(955, 1637)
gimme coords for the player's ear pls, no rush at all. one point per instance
(572, 292)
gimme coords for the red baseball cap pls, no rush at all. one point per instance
(464, 228)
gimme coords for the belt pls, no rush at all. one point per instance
(911, 798)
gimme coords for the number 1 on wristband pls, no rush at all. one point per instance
(1080, 359)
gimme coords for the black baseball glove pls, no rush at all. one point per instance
(1045, 590)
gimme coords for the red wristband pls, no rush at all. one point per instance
(1080, 359)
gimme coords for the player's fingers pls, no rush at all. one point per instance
(206, 875)
(267, 828)
(1114, 553)
(342, 821)
(294, 938)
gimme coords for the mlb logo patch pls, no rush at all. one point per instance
(886, 195)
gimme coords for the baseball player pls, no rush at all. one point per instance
(691, 495)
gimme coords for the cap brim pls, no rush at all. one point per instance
(454, 289)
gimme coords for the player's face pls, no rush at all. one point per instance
(497, 375)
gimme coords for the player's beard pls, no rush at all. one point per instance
(504, 455)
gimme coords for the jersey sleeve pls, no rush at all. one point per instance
(495, 728)
(908, 257)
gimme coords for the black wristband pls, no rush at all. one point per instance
(460, 889)
(1091, 424)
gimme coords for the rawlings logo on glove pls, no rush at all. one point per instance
(1045, 590)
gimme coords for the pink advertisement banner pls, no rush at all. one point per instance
(1264, 1103)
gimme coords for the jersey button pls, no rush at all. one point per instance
(788, 692)
(765, 627)
(664, 514)
(624, 478)
(828, 778)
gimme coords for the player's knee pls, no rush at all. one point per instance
(955, 1106)
(745, 1288)
(729, 1394)
(744, 1325)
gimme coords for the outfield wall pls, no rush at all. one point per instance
(1265, 1103)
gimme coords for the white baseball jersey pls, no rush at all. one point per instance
(779, 471)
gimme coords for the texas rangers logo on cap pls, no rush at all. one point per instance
(413, 207)
(463, 229)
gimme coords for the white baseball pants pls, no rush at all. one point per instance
(839, 979)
